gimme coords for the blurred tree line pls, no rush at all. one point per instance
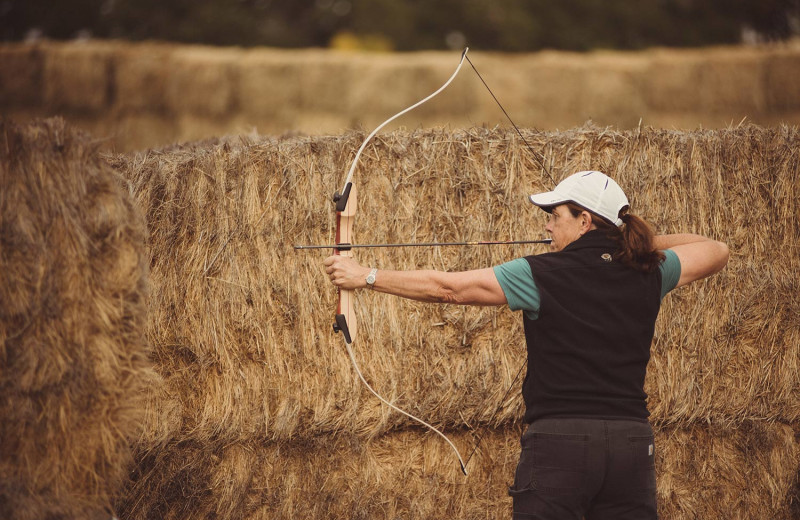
(503, 25)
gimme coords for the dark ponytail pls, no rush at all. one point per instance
(635, 239)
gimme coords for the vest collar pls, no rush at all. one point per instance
(592, 239)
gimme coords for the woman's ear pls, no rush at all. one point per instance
(586, 222)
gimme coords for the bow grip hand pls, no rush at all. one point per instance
(345, 272)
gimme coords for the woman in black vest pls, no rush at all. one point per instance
(589, 310)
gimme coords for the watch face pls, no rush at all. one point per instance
(371, 279)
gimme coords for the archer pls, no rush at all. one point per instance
(589, 308)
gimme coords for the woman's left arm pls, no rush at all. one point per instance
(477, 287)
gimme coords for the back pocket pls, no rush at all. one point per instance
(643, 461)
(551, 462)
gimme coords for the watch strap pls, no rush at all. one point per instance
(371, 278)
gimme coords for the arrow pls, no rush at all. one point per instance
(346, 247)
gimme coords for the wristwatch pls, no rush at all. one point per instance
(371, 278)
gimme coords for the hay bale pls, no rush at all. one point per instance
(262, 93)
(141, 130)
(21, 75)
(710, 82)
(201, 81)
(738, 366)
(140, 78)
(744, 473)
(74, 361)
(79, 77)
(564, 89)
(733, 83)
(782, 82)
(320, 91)
(540, 90)
(224, 288)
(241, 323)
(234, 297)
(402, 475)
(275, 84)
(599, 86)
(614, 88)
(702, 472)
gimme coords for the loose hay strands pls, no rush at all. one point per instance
(241, 323)
(231, 295)
(74, 362)
(703, 473)
(744, 473)
(399, 475)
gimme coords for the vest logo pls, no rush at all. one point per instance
(606, 257)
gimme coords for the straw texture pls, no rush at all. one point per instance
(262, 415)
(73, 356)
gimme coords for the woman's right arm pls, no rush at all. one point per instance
(699, 256)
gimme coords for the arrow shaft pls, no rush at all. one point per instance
(427, 244)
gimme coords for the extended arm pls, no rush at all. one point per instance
(699, 256)
(477, 287)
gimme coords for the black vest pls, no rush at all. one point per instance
(588, 350)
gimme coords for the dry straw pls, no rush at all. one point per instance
(703, 473)
(73, 360)
(263, 417)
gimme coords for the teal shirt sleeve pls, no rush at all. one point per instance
(670, 271)
(517, 283)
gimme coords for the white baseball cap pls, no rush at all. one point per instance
(592, 190)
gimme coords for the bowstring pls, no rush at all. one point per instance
(539, 157)
(496, 411)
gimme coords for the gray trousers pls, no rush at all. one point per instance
(592, 469)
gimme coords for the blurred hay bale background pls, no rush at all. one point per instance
(77, 78)
(21, 76)
(143, 95)
(262, 416)
(74, 361)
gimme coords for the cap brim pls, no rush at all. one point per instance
(547, 200)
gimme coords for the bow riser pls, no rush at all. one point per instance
(346, 203)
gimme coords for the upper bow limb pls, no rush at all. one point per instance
(475, 287)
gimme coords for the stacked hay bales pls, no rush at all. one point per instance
(148, 94)
(262, 415)
(74, 361)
